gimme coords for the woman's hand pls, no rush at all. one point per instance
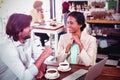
(68, 48)
(76, 39)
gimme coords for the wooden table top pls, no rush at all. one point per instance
(108, 73)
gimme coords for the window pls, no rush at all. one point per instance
(54, 10)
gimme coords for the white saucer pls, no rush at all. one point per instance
(60, 69)
(48, 77)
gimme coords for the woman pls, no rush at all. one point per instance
(86, 44)
(37, 13)
(16, 57)
(38, 17)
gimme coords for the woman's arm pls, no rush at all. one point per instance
(88, 56)
(62, 53)
(76, 40)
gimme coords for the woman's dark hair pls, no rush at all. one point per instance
(79, 18)
(16, 23)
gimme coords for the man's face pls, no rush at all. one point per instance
(25, 34)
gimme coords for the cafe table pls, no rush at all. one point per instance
(108, 72)
(46, 28)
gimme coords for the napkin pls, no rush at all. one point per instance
(74, 51)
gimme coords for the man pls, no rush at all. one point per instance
(16, 58)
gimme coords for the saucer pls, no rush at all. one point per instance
(60, 69)
(48, 77)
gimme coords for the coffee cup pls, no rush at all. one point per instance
(52, 72)
(64, 65)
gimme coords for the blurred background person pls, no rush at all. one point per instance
(65, 11)
(38, 17)
(37, 12)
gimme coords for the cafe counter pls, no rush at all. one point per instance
(95, 21)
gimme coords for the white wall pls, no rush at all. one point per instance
(20, 6)
(11, 6)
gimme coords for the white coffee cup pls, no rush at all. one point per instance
(64, 65)
(52, 72)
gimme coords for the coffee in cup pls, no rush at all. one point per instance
(52, 72)
(64, 65)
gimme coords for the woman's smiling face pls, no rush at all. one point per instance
(72, 25)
